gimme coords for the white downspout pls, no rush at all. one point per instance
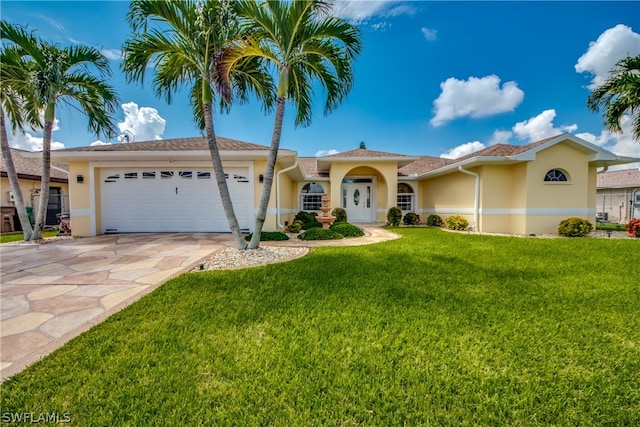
(278, 191)
(476, 198)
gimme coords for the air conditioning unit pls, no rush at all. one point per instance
(11, 198)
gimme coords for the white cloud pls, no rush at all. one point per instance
(144, 123)
(541, 127)
(322, 153)
(602, 55)
(621, 144)
(476, 97)
(113, 54)
(429, 33)
(500, 137)
(30, 142)
(362, 11)
(98, 142)
(463, 150)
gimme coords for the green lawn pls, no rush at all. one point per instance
(18, 237)
(434, 328)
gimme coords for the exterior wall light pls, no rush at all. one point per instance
(79, 179)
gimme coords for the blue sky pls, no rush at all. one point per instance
(434, 78)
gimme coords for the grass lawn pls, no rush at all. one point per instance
(19, 237)
(434, 328)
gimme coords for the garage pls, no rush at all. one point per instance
(171, 199)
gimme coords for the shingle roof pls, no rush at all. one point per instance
(176, 144)
(619, 179)
(309, 166)
(31, 167)
(422, 165)
(364, 153)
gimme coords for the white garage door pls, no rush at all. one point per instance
(171, 200)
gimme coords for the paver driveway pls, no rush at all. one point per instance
(52, 292)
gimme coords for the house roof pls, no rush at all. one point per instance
(176, 144)
(194, 148)
(359, 154)
(30, 166)
(627, 178)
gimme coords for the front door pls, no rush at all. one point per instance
(357, 199)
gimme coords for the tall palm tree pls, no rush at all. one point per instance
(183, 41)
(62, 75)
(13, 78)
(620, 94)
(301, 43)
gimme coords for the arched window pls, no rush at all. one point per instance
(556, 175)
(406, 197)
(311, 197)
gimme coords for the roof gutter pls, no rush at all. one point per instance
(295, 165)
(476, 197)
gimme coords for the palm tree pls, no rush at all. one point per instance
(14, 76)
(302, 43)
(184, 47)
(62, 75)
(620, 94)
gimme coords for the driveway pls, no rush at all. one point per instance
(50, 293)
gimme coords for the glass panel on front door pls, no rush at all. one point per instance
(356, 197)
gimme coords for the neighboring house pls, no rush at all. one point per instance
(618, 197)
(169, 185)
(29, 169)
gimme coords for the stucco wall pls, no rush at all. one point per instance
(447, 195)
(80, 199)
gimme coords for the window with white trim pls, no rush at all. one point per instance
(406, 197)
(556, 175)
(311, 197)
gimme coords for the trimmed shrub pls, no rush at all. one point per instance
(456, 222)
(311, 224)
(269, 235)
(394, 215)
(411, 218)
(295, 227)
(346, 229)
(574, 227)
(434, 220)
(340, 214)
(320, 234)
(305, 217)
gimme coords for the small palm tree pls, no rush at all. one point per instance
(302, 43)
(62, 75)
(620, 94)
(14, 76)
(184, 46)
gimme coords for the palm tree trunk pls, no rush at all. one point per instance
(268, 175)
(41, 217)
(220, 178)
(27, 230)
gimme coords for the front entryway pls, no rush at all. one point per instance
(358, 199)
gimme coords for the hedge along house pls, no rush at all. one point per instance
(169, 185)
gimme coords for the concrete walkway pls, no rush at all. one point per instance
(52, 292)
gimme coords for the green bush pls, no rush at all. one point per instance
(346, 229)
(394, 215)
(434, 220)
(311, 224)
(269, 235)
(340, 214)
(411, 218)
(456, 222)
(295, 227)
(574, 227)
(305, 217)
(320, 234)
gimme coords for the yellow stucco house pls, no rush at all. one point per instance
(169, 185)
(29, 170)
